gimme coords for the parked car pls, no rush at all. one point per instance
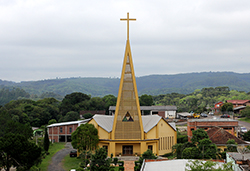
(203, 114)
(73, 153)
(225, 116)
(243, 130)
(211, 113)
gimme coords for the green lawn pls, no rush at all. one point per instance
(245, 119)
(53, 148)
(70, 162)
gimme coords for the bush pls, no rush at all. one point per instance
(167, 154)
(115, 160)
(137, 163)
(112, 168)
(137, 168)
(121, 168)
(120, 163)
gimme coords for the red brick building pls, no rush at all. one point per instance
(229, 125)
(61, 132)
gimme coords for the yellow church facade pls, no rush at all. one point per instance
(128, 132)
(159, 136)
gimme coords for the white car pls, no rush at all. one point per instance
(211, 113)
(243, 130)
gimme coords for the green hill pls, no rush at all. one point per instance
(151, 84)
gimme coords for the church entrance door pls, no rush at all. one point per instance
(127, 150)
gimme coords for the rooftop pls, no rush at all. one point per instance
(219, 136)
(175, 165)
(238, 156)
(237, 101)
(68, 123)
(148, 121)
(213, 120)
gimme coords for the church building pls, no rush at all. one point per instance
(128, 132)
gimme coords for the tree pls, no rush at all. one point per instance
(198, 135)
(99, 160)
(199, 165)
(71, 101)
(231, 145)
(70, 116)
(246, 112)
(191, 153)
(177, 150)
(16, 149)
(246, 136)
(87, 115)
(46, 141)
(227, 107)
(207, 149)
(52, 121)
(146, 100)
(85, 137)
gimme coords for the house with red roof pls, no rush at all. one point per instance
(220, 136)
(217, 107)
(239, 105)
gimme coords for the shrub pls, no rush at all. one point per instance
(121, 163)
(121, 168)
(115, 160)
(167, 154)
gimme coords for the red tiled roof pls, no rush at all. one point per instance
(220, 136)
(237, 101)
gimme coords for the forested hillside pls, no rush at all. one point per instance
(152, 84)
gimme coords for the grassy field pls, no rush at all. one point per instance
(54, 148)
(245, 119)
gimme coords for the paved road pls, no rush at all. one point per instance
(56, 164)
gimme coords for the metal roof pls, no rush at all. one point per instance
(68, 123)
(239, 156)
(173, 125)
(164, 108)
(104, 121)
(148, 121)
(212, 120)
(184, 114)
(176, 165)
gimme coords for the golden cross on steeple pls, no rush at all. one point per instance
(133, 19)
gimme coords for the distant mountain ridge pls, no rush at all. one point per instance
(151, 84)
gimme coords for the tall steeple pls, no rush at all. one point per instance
(127, 121)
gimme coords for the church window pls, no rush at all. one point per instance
(127, 118)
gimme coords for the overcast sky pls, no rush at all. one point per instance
(46, 39)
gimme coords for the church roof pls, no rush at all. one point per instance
(149, 121)
(104, 121)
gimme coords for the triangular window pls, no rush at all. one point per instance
(127, 118)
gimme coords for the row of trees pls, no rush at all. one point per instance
(200, 99)
(40, 112)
